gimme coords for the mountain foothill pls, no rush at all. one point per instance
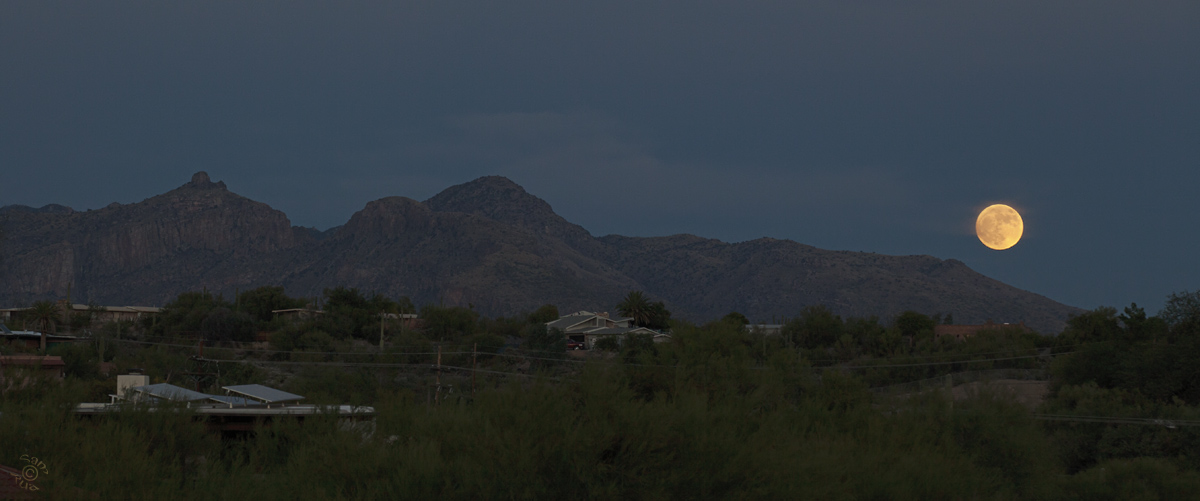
(486, 244)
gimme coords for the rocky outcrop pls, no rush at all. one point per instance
(487, 244)
(145, 252)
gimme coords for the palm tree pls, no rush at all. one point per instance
(46, 314)
(636, 306)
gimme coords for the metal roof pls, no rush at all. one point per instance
(167, 391)
(263, 393)
(619, 330)
(232, 400)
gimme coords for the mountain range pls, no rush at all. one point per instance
(486, 244)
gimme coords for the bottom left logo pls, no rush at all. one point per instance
(33, 469)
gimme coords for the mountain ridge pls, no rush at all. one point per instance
(486, 244)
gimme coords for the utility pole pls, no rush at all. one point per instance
(438, 396)
(201, 369)
(474, 353)
(381, 319)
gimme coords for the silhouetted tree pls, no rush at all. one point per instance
(1099, 324)
(816, 327)
(636, 306)
(736, 318)
(45, 314)
(1182, 313)
(544, 314)
(915, 325)
(223, 324)
(260, 302)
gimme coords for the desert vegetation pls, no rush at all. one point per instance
(829, 408)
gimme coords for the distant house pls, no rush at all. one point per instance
(408, 321)
(46, 365)
(765, 329)
(100, 314)
(19, 371)
(298, 313)
(105, 314)
(32, 339)
(962, 332)
(588, 327)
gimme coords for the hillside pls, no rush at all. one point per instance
(487, 244)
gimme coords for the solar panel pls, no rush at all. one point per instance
(262, 393)
(231, 400)
(167, 391)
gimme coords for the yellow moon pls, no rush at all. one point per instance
(999, 227)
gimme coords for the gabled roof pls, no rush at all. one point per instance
(604, 331)
(564, 323)
(118, 309)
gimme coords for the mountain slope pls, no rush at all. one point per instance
(487, 244)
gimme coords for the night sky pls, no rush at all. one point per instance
(866, 126)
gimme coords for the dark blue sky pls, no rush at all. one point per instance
(869, 126)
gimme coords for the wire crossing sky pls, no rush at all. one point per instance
(866, 126)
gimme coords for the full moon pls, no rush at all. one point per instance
(999, 227)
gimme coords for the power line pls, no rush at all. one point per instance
(875, 366)
(1169, 423)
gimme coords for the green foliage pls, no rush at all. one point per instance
(1137, 327)
(260, 302)
(915, 325)
(449, 323)
(736, 318)
(1138, 478)
(1082, 445)
(223, 324)
(651, 315)
(350, 314)
(186, 314)
(302, 337)
(504, 327)
(544, 314)
(718, 411)
(635, 305)
(607, 343)
(46, 315)
(1100, 324)
(540, 338)
(816, 327)
(1182, 313)
(1161, 372)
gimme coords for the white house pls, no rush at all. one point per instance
(588, 327)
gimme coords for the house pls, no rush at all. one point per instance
(588, 327)
(298, 314)
(407, 321)
(100, 314)
(32, 339)
(241, 409)
(19, 371)
(962, 332)
(105, 314)
(766, 329)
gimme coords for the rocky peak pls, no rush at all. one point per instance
(387, 217)
(201, 180)
(500, 199)
(491, 196)
(45, 209)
